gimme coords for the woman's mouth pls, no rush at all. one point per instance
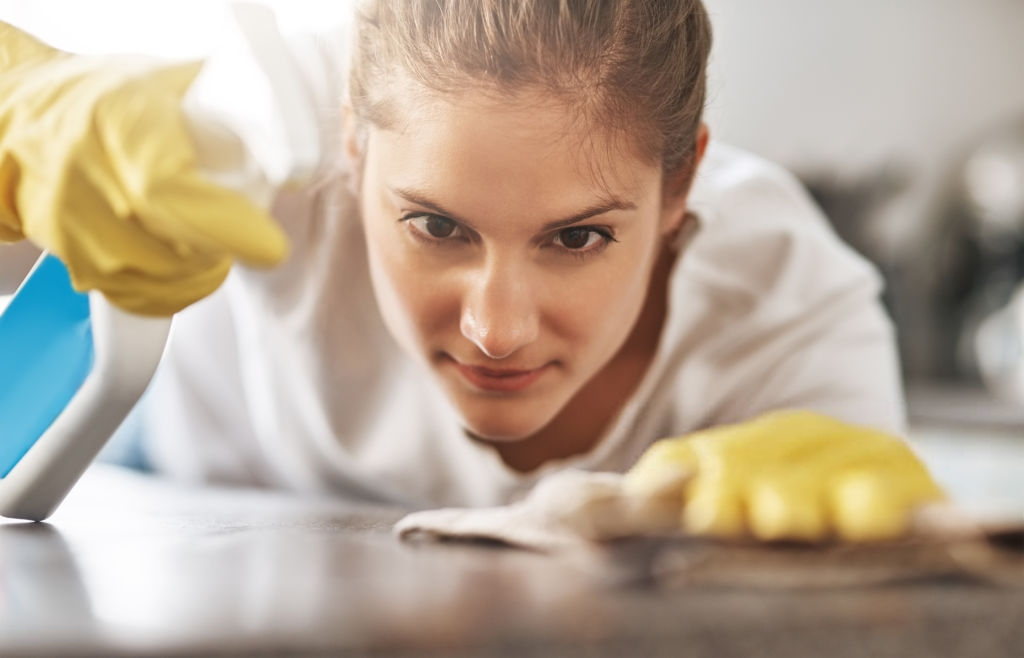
(498, 380)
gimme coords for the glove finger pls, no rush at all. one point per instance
(144, 137)
(663, 468)
(868, 505)
(18, 48)
(136, 292)
(194, 213)
(787, 509)
(85, 220)
(10, 227)
(159, 285)
(176, 78)
(714, 508)
(137, 273)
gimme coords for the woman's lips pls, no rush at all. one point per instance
(494, 380)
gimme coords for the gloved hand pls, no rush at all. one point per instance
(97, 166)
(788, 476)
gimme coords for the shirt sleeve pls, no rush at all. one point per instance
(321, 58)
(310, 213)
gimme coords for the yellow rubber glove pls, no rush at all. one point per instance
(790, 475)
(97, 166)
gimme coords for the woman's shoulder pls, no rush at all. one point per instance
(732, 179)
(769, 308)
(761, 236)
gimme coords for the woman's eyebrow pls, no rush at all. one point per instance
(606, 205)
(593, 211)
(420, 199)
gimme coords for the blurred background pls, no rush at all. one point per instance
(904, 118)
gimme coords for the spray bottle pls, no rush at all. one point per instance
(72, 366)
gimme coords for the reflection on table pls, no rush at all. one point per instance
(134, 565)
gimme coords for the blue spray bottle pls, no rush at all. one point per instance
(72, 365)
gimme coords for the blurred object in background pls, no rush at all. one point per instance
(956, 291)
(975, 284)
(860, 206)
(855, 203)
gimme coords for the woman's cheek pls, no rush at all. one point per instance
(419, 296)
(387, 277)
(617, 291)
(618, 303)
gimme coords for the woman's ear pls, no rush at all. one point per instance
(677, 184)
(352, 143)
(703, 136)
(353, 146)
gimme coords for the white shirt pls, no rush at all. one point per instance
(288, 378)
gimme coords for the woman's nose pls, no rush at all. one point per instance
(499, 313)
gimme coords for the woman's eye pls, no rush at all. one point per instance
(579, 238)
(434, 226)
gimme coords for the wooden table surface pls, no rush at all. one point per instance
(133, 565)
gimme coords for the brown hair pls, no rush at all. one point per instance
(637, 67)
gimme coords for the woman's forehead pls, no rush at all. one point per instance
(510, 137)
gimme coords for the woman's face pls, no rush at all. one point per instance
(510, 250)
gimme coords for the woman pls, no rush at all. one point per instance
(530, 258)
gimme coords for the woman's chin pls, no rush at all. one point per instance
(489, 434)
(504, 420)
(495, 430)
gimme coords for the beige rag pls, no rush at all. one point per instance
(570, 510)
(590, 516)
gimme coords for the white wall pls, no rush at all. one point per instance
(853, 85)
